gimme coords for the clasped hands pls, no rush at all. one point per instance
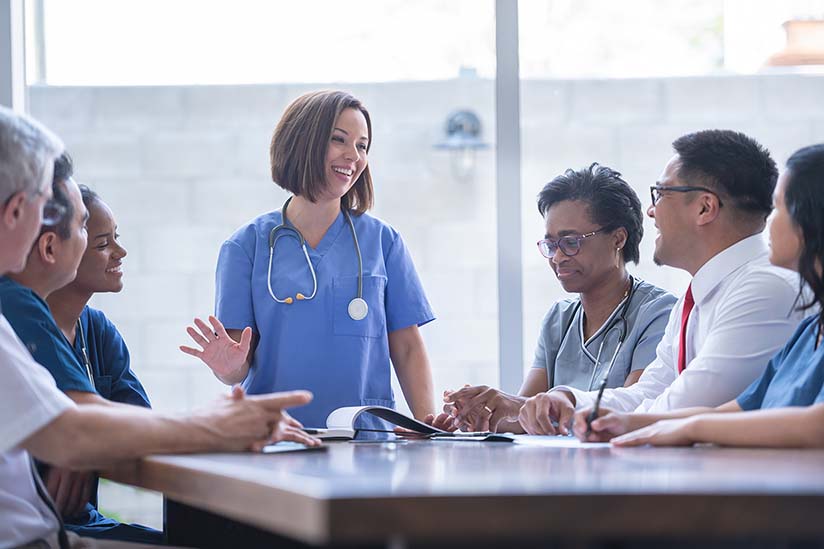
(482, 408)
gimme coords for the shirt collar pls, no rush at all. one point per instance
(722, 264)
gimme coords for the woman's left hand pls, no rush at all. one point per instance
(668, 432)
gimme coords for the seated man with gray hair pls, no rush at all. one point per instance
(53, 263)
(36, 419)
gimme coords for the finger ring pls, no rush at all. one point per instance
(488, 409)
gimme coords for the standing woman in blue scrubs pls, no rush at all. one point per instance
(319, 294)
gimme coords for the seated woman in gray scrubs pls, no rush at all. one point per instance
(594, 225)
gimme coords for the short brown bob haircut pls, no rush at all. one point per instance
(298, 149)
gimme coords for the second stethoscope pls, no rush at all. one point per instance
(357, 309)
(619, 321)
(84, 350)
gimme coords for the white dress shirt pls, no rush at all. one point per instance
(29, 400)
(744, 313)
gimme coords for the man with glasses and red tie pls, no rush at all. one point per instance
(710, 207)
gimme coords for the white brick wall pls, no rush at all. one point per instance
(182, 167)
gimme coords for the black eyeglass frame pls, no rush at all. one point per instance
(679, 189)
(577, 238)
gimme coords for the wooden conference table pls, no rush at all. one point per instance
(439, 493)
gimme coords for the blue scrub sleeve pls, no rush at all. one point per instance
(549, 338)
(125, 387)
(753, 396)
(549, 342)
(652, 321)
(233, 287)
(35, 327)
(819, 399)
(406, 303)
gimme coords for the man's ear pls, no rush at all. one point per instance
(710, 208)
(47, 245)
(13, 210)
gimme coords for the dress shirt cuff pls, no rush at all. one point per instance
(583, 399)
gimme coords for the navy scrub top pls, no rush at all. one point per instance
(114, 380)
(794, 377)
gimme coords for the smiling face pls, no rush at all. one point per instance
(100, 269)
(598, 255)
(671, 218)
(786, 240)
(346, 155)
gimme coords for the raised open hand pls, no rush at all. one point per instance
(222, 354)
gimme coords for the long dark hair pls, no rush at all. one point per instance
(804, 198)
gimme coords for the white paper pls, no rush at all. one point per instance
(557, 441)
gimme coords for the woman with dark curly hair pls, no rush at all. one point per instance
(594, 225)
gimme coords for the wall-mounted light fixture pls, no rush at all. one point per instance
(463, 139)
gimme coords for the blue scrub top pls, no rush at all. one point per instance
(794, 377)
(33, 323)
(569, 360)
(314, 344)
(110, 360)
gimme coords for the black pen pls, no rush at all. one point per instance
(593, 415)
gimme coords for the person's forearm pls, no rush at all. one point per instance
(534, 383)
(642, 419)
(776, 428)
(73, 440)
(415, 377)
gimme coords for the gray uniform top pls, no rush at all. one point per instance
(569, 361)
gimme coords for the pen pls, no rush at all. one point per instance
(593, 415)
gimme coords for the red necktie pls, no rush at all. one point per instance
(685, 315)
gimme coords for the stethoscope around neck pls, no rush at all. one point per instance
(357, 309)
(619, 321)
(84, 351)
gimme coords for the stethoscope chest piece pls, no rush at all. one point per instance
(358, 309)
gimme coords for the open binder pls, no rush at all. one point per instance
(340, 425)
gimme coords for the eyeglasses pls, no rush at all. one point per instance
(52, 213)
(656, 190)
(570, 244)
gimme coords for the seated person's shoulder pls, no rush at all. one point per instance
(97, 319)
(27, 313)
(560, 312)
(765, 278)
(653, 298)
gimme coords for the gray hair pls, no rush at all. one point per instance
(27, 153)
